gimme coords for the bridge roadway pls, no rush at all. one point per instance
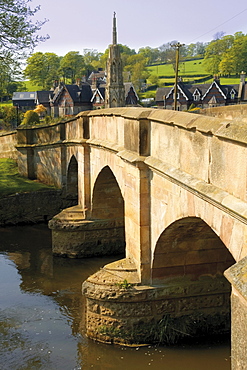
(167, 189)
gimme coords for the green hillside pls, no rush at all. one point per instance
(32, 87)
(191, 71)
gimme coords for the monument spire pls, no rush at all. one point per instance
(114, 92)
(114, 33)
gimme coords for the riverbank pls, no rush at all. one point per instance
(11, 182)
(31, 207)
(24, 201)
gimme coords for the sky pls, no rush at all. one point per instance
(75, 25)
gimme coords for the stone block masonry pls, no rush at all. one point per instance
(121, 311)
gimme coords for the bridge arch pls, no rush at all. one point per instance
(107, 199)
(72, 179)
(189, 247)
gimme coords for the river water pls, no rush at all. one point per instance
(41, 311)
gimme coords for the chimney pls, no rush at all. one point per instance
(241, 86)
(242, 77)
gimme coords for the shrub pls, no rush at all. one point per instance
(30, 118)
(8, 116)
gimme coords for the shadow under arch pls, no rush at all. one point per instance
(72, 180)
(188, 266)
(108, 204)
(189, 247)
(107, 200)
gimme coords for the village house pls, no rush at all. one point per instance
(70, 99)
(25, 100)
(202, 95)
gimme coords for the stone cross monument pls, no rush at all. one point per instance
(115, 93)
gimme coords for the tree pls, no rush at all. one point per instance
(152, 55)
(18, 34)
(9, 73)
(137, 66)
(42, 69)
(238, 53)
(30, 118)
(72, 66)
(227, 64)
(215, 51)
(153, 79)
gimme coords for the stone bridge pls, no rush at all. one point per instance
(167, 190)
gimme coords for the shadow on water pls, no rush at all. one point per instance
(41, 315)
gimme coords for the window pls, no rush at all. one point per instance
(177, 96)
(196, 97)
(232, 94)
(97, 99)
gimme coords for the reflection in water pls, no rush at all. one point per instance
(41, 311)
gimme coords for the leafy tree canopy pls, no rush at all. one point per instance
(42, 69)
(19, 34)
(72, 66)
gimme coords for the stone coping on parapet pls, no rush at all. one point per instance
(6, 133)
(45, 125)
(237, 275)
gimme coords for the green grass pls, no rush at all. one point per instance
(190, 71)
(229, 80)
(6, 104)
(32, 87)
(192, 67)
(11, 182)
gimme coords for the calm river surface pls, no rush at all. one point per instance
(41, 307)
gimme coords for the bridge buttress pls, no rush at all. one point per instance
(236, 274)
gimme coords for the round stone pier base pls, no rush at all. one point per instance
(120, 310)
(75, 236)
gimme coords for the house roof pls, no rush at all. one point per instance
(161, 93)
(25, 95)
(44, 96)
(82, 93)
(96, 75)
(100, 91)
(79, 94)
(188, 90)
(127, 87)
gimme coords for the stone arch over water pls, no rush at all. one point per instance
(189, 247)
(72, 179)
(107, 199)
(108, 204)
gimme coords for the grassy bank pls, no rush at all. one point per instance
(11, 182)
(190, 71)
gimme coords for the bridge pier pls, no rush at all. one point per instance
(122, 311)
(237, 275)
(76, 236)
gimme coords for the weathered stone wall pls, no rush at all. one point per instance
(237, 276)
(31, 207)
(119, 312)
(238, 112)
(8, 141)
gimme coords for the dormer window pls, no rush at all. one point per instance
(232, 94)
(196, 95)
(177, 96)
